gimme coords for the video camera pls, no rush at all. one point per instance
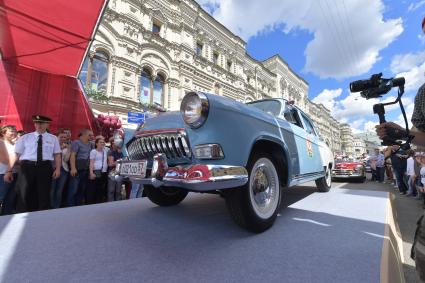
(376, 87)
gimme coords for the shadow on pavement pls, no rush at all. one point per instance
(196, 241)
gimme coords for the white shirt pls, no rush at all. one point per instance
(10, 150)
(423, 176)
(98, 157)
(26, 146)
(66, 154)
(410, 169)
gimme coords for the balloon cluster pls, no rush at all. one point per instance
(108, 124)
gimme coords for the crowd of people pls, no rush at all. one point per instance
(404, 169)
(42, 171)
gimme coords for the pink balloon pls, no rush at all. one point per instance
(107, 123)
(101, 116)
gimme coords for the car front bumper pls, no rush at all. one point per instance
(193, 177)
(347, 176)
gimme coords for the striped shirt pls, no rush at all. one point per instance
(418, 116)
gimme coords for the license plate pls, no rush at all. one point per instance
(134, 168)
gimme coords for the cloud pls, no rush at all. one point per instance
(363, 125)
(411, 66)
(414, 78)
(409, 113)
(347, 35)
(357, 125)
(406, 62)
(415, 6)
(358, 111)
(327, 98)
(369, 126)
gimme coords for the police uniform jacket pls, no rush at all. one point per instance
(26, 146)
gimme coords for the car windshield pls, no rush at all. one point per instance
(269, 106)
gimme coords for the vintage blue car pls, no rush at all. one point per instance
(248, 153)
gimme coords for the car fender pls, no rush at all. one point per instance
(281, 144)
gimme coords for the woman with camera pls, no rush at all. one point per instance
(96, 191)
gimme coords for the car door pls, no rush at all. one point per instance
(313, 143)
(304, 146)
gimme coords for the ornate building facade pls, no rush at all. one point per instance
(154, 52)
(347, 139)
(359, 147)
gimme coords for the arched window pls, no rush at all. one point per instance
(94, 73)
(158, 90)
(151, 91)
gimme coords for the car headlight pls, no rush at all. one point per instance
(194, 109)
(359, 168)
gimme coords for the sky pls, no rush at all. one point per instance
(333, 42)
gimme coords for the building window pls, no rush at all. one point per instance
(158, 90)
(199, 47)
(94, 74)
(215, 58)
(156, 28)
(145, 87)
(217, 89)
(229, 65)
(151, 91)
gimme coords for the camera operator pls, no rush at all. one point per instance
(418, 118)
(392, 130)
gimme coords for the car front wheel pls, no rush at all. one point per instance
(165, 196)
(255, 205)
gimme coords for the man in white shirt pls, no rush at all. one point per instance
(410, 172)
(36, 151)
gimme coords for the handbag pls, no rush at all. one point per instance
(97, 173)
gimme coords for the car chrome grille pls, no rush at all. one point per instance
(173, 143)
(342, 172)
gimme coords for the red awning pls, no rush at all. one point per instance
(50, 36)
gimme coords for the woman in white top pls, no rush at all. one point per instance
(96, 191)
(8, 174)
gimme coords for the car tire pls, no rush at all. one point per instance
(255, 205)
(165, 196)
(324, 184)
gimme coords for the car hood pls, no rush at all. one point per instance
(347, 165)
(168, 120)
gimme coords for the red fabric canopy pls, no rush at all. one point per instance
(25, 92)
(48, 35)
(43, 43)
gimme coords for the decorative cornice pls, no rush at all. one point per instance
(127, 64)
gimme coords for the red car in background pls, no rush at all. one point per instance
(350, 169)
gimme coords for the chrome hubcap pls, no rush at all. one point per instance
(264, 188)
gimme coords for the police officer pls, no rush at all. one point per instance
(36, 152)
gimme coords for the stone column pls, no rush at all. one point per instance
(173, 94)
